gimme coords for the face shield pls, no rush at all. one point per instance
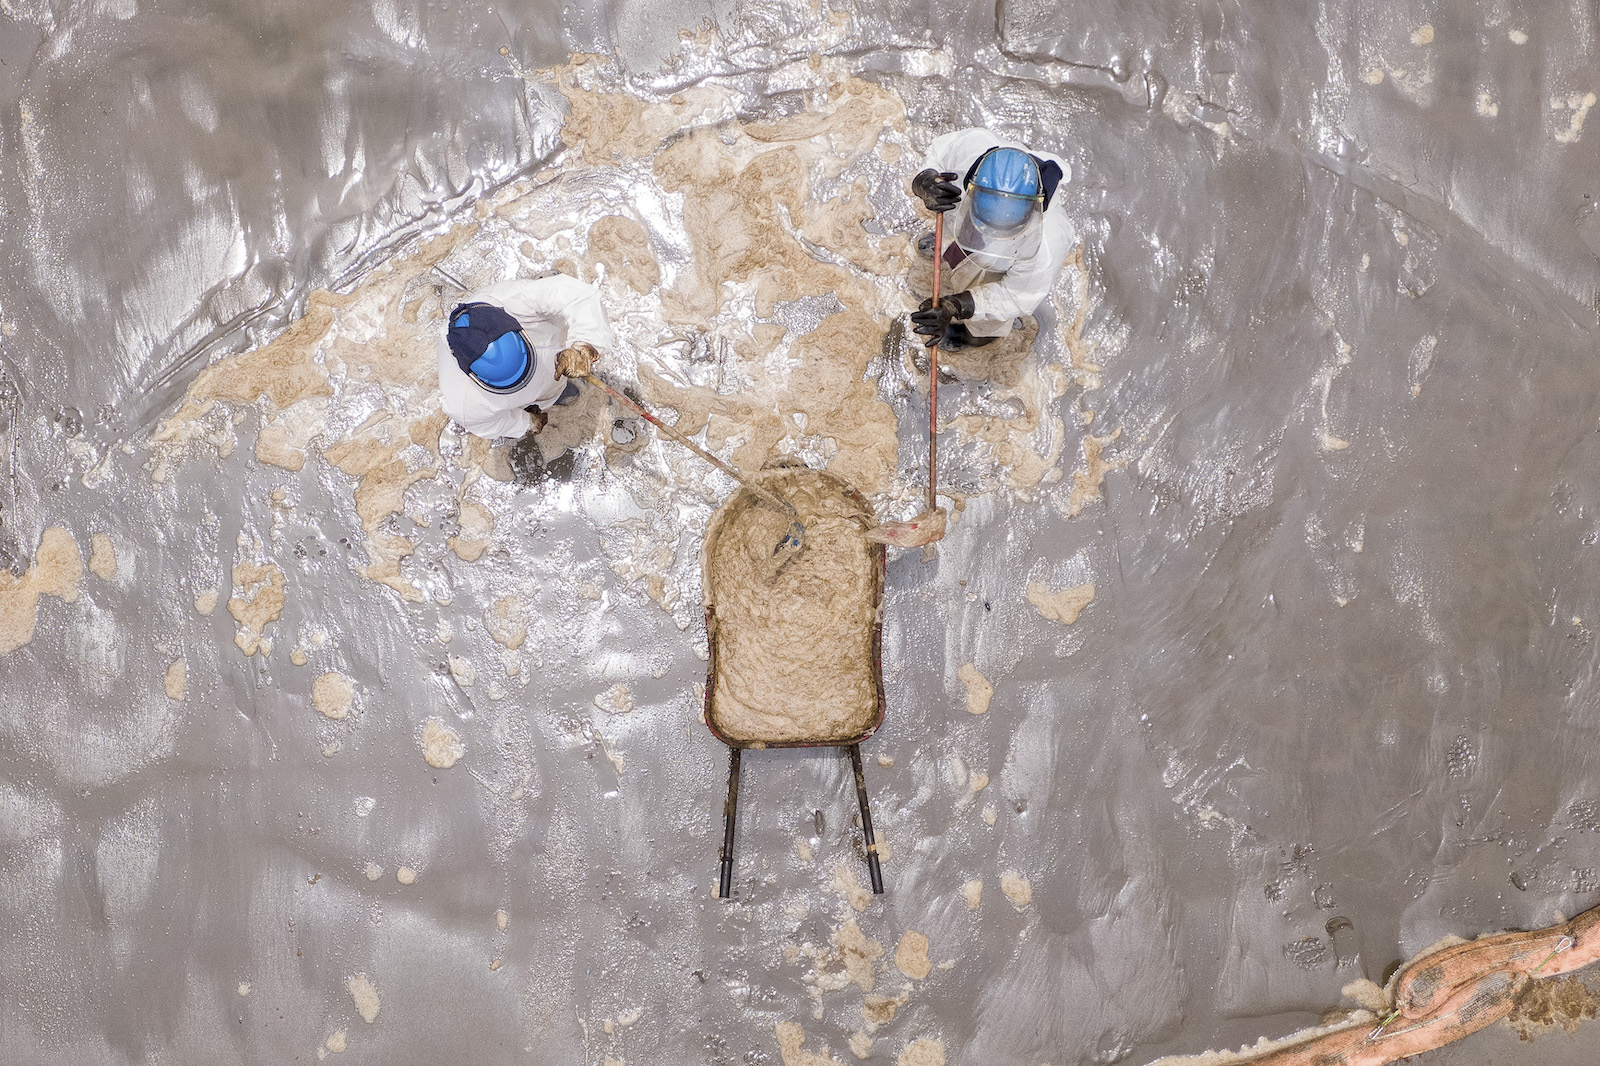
(1001, 214)
(996, 247)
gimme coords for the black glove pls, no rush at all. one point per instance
(931, 321)
(938, 191)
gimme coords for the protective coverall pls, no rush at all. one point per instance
(555, 312)
(1000, 296)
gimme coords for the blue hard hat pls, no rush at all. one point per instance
(504, 362)
(1005, 189)
(487, 343)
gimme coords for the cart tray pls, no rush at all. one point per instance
(795, 640)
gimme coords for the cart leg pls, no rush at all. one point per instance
(730, 811)
(874, 869)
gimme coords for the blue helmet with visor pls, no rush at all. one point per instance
(1006, 189)
(489, 346)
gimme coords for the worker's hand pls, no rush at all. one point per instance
(576, 361)
(537, 419)
(931, 321)
(938, 191)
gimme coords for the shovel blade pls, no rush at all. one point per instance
(925, 528)
(793, 541)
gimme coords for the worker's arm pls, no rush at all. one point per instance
(489, 424)
(1024, 287)
(938, 185)
(557, 298)
(462, 402)
(954, 152)
(513, 423)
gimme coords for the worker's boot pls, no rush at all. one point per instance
(957, 337)
(526, 459)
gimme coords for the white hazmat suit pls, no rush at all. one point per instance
(555, 312)
(1001, 290)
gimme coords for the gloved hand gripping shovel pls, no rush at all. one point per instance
(793, 541)
(928, 526)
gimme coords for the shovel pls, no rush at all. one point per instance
(793, 541)
(928, 526)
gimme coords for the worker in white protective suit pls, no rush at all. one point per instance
(1005, 242)
(510, 351)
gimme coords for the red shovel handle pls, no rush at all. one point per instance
(933, 371)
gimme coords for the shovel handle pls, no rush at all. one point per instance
(933, 370)
(683, 439)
